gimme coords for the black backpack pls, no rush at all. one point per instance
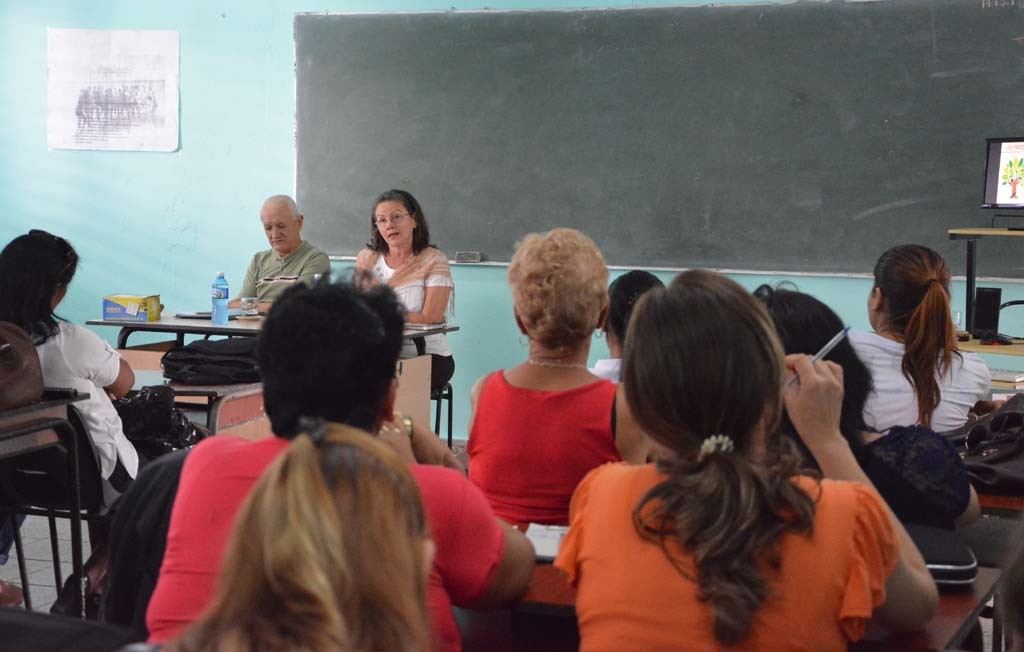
(213, 362)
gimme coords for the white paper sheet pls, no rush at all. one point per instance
(546, 539)
(112, 89)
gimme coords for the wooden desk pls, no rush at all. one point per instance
(999, 502)
(546, 614)
(17, 433)
(971, 236)
(238, 327)
(957, 612)
(15, 440)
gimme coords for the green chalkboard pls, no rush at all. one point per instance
(804, 137)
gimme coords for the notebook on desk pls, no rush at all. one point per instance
(1008, 376)
(546, 539)
(206, 314)
(424, 327)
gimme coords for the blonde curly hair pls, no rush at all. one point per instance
(559, 286)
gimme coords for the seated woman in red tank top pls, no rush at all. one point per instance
(539, 427)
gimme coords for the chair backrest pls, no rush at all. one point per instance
(138, 538)
(40, 479)
(28, 631)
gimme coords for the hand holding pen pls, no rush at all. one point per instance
(825, 350)
(815, 402)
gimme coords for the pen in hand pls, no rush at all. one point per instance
(825, 350)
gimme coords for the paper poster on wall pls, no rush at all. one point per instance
(112, 89)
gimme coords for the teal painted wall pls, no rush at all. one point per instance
(166, 223)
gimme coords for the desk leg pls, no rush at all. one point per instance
(122, 337)
(971, 279)
(77, 564)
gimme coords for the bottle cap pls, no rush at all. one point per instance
(219, 274)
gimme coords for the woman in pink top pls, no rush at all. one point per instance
(540, 426)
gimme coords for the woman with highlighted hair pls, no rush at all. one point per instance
(919, 375)
(305, 570)
(722, 542)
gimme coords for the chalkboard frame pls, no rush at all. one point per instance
(830, 258)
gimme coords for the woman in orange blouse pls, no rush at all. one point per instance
(722, 543)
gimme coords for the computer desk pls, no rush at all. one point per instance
(545, 619)
(974, 345)
(971, 236)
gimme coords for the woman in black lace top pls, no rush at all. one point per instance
(917, 472)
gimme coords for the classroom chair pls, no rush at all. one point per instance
(45, 483)
(26, 631)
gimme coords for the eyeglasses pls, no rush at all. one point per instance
(395, 218)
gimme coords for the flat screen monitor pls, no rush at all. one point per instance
(1004, 173)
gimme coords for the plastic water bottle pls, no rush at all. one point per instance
(219, 314)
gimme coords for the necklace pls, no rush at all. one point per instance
(553, 364)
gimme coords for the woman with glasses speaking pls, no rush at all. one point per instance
(400, 254)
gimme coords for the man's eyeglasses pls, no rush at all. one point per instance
(395, 218)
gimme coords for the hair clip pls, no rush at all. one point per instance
(713, 444)
(315, 428)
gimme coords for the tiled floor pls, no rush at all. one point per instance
(36, 535)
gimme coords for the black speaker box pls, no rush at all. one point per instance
(986, 312)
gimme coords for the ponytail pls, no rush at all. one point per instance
(929, 344)
(723, 501)
(914, 281)
(729, 513)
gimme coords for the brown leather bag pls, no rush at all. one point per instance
(21, 377)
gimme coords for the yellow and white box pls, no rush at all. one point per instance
(132, 307)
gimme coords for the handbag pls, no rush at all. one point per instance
(992, 449)
(153, 425)
(21, 377)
